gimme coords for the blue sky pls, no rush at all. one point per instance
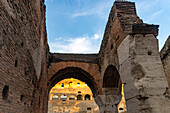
(77, 26)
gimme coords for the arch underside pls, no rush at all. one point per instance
(74, 72)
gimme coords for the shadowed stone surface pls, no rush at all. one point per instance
(165, 57)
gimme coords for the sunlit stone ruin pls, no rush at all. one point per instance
(71, 95)
(128, 67)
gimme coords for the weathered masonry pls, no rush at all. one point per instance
(128, 55)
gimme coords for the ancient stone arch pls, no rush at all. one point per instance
(129, 46)
(74, 72)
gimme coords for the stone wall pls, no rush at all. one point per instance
(88, 58)
(23, 56)
(142, 72)
(165, 57)
(131, 46)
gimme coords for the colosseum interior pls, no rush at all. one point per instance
(129, 55)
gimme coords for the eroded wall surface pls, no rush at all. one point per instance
(165, 57)
(23, 56)
(131, 46)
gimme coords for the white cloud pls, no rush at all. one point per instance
(80, 14)
(96, 36)
(84, 44)
(99, 9)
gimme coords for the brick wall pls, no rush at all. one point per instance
(23, 56)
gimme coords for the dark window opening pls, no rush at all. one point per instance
(16, 63)
(89, 108)
(70, 84)
(120, 108)
(22, 98)
(79, 91)
(149, 52)
(112, 46)
(5, 92)
(87, 97)
(79, 97)
(62, 85)
(22, 44)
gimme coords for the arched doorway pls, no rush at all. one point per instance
(75, 73)
(112, 85)
(111, 77)
(72, 99)
(63, 97)
(87, 97)
(55, 97)
(79, 97)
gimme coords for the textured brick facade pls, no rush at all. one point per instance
(23, 56)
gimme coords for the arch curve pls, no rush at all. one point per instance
(74, 72)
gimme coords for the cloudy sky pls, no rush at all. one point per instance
(77, 26)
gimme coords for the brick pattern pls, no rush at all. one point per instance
(23, 56)
(88, 58)
(92, 69)
(121, 19)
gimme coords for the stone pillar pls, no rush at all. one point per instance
(50, 96)
(142, 73)
(83, 96)
(91, 97)
(59, 96)
(108, 103)
(68, 95)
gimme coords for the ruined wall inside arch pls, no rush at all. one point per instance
(23, 56)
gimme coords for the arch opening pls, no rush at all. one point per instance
(79, 97)
(71, 99)
(111, 77)
(63, 97)
(77, 73)
(111, 80)
(55, 97)
(87, 97)
(89, 109)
